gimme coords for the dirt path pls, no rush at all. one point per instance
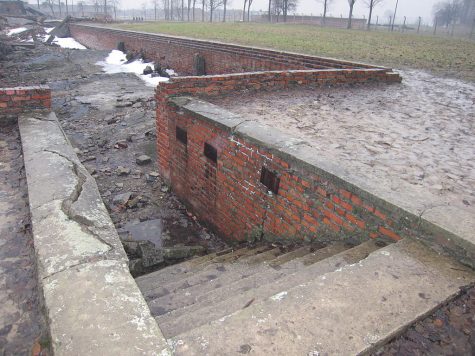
(22, 327)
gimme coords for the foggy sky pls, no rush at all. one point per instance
(410, 8)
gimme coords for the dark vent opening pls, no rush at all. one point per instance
(270, 180)
(181, 135)
(211, 152)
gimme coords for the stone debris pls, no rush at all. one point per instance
(122, 199)
(123, 171)
(143, 159)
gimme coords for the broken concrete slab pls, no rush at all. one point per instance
(97, 309)
(150, 230)
(92, 301)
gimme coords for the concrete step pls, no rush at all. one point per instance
(245, 264)
(348, 311)
(228, 299)
(167, 274)
(228, 285)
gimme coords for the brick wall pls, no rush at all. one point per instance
(273, 80)
(223, 168)
(228, 192)
(14, 101)
(220, 58)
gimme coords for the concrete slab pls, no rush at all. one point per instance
(345, 312)
(150, 230)
(97, 309)
(93, 305)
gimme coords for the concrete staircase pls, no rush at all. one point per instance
(338, 300)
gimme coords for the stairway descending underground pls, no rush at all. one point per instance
(339, 299)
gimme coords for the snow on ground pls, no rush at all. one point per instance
(15, 31)
(116, 62)
(68, 42)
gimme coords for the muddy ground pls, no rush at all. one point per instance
(23, 329)
(110, 121)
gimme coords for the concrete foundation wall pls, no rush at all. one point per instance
(14, 101)
(220, 58)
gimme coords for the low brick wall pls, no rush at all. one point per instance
(249, 181)
(273, 80)
(237, 177)
(177, 52)
(14, 101)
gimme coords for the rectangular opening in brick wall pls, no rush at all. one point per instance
(181, 135)
(270, 180)
(210, 152)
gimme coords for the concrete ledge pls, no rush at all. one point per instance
(93, 304)
(446, 229)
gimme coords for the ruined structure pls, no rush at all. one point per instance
(357, 281)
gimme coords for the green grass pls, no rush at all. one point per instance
(443, 56)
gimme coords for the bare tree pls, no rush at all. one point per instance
(269, 15)
(447, 12)
(194, 6)
(50, 4)
(154, 4)
(244, 11)
(188, 11)
(326, 4)
(277, 8)
(249, 3)
(350, 16)
(203, 4)
(116, 4)
(213, 5)
(225, 5)
(371, 5)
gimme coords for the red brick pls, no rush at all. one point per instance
(389, 233)
(380, 214)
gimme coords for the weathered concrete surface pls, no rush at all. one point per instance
(345, 312)
(93, 305)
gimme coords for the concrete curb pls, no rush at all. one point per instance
(93, 304)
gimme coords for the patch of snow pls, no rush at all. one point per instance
(16, 31)
(48, 29)
(116, 62)
(68, 42)
(385, 253)
(171, 72)
(279, 296)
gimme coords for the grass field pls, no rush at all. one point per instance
(453, 57)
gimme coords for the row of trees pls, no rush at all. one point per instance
(450, 12)
(277, 9)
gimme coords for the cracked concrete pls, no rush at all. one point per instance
(93, 304)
